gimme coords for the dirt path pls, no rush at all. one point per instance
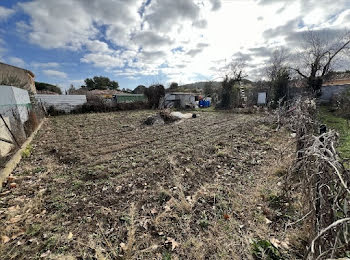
(104, 186)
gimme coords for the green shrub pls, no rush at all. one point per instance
(264, 250)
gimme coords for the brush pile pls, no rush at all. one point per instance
(320, 175)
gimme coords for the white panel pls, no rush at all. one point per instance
(14, 100)
(63, 102)
(261, 98)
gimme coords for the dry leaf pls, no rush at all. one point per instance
(174, 244)
(17, 235)
(275, 242)
(15, 219)
(70, 235)
(267, 221)
(10, 178)
(5, 193)
(285, 245)
(13, 208)
(46, 254)
(13, 185)
(123, 247)
(5, 239)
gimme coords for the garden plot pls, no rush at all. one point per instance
(105, 186)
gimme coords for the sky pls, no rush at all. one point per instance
(155, 41)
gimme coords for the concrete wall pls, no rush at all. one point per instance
(17, 77)
(61, 102)
(329, 91)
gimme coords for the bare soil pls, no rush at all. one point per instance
(105, 186)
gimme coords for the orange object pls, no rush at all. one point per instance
(226, 216)
(13, 185)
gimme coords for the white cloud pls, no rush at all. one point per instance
(182, 38)
(5, 13)
(163, 15)
(45, 65)
(16, 62)
(216, 4)
(104, 60)
(76, 82)
(98, 47)
(55, 73)
(58, 24)
(72, 23)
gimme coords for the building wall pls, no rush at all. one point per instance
(182, 100)
(17, 77)
(61, 102)
(329, 91)
(186, 100)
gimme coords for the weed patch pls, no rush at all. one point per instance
(264, 250)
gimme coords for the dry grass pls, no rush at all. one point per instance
(191, 190)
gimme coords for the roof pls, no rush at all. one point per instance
(337, 82)
(338, 78)
(104, 92)
(28, 71)
(129, 94)
(182, 93)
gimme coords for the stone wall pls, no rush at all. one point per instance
(17, 77)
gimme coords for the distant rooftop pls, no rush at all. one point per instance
(182, 93)
(338, 78)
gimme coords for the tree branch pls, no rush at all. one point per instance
(325, 68)
(299, 72)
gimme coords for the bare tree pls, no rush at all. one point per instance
(276, 63)
(278, 74)
(234, 70)
(319, 53)
(233, 73)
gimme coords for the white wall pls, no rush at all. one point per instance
(62, 102)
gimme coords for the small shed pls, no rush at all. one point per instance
(180, 100)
